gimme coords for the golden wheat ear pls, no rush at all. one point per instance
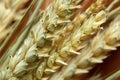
(85, 60)
(104, 42)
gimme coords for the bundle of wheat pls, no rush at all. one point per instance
(58, 47)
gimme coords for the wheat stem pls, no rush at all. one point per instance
(114, 76)
(113, 13)
(111, 5)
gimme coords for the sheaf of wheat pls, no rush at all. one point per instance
(61, 43)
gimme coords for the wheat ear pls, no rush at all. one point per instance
(58, 58)
(104, 42)
(53, 32)
(35, 47)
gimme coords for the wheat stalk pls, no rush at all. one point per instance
(113, 76)
(95, 77)
(98, 49)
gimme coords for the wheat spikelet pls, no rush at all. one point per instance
(103, 42)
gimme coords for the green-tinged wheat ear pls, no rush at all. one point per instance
(38, 44)
(22, 35)
(98, 50)
(55, 17)
(15, 71)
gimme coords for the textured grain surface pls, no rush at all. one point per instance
(56, 41)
